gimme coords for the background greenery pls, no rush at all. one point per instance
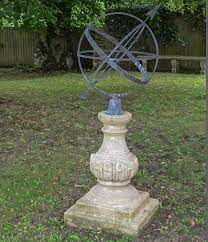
(62, 17)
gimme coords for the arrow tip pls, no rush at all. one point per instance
(153, 11)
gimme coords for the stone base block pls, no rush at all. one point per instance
(118, 209)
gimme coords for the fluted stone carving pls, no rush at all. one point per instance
(114, 164)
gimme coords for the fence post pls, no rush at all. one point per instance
(174, 65)
(144, 64)
(202, 66)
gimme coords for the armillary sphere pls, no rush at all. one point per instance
(123, 50)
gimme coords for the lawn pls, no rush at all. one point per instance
(47, 135)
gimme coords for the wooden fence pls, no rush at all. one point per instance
(16, 47)
(195, 45)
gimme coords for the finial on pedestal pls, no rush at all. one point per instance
(114, 107)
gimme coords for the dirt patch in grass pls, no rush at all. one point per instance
(4, 102)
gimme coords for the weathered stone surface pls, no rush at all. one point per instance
(114, 164)
(127, 215)
(113, 204)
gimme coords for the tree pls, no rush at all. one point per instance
(179, 6)
(57, 17)
(61, 17)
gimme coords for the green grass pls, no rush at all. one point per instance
(47, 135)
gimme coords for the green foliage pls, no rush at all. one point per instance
(25, 13)
(82, 14)
(58, 13)
(170, 5)
(164, 22)
(77, 13)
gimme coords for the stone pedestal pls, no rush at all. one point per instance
(113, 204)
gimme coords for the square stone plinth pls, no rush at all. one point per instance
(91, 213)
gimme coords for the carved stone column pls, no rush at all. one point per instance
(113, 203)
(113, 164)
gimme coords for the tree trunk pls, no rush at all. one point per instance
(69, 52)
(56, 50)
